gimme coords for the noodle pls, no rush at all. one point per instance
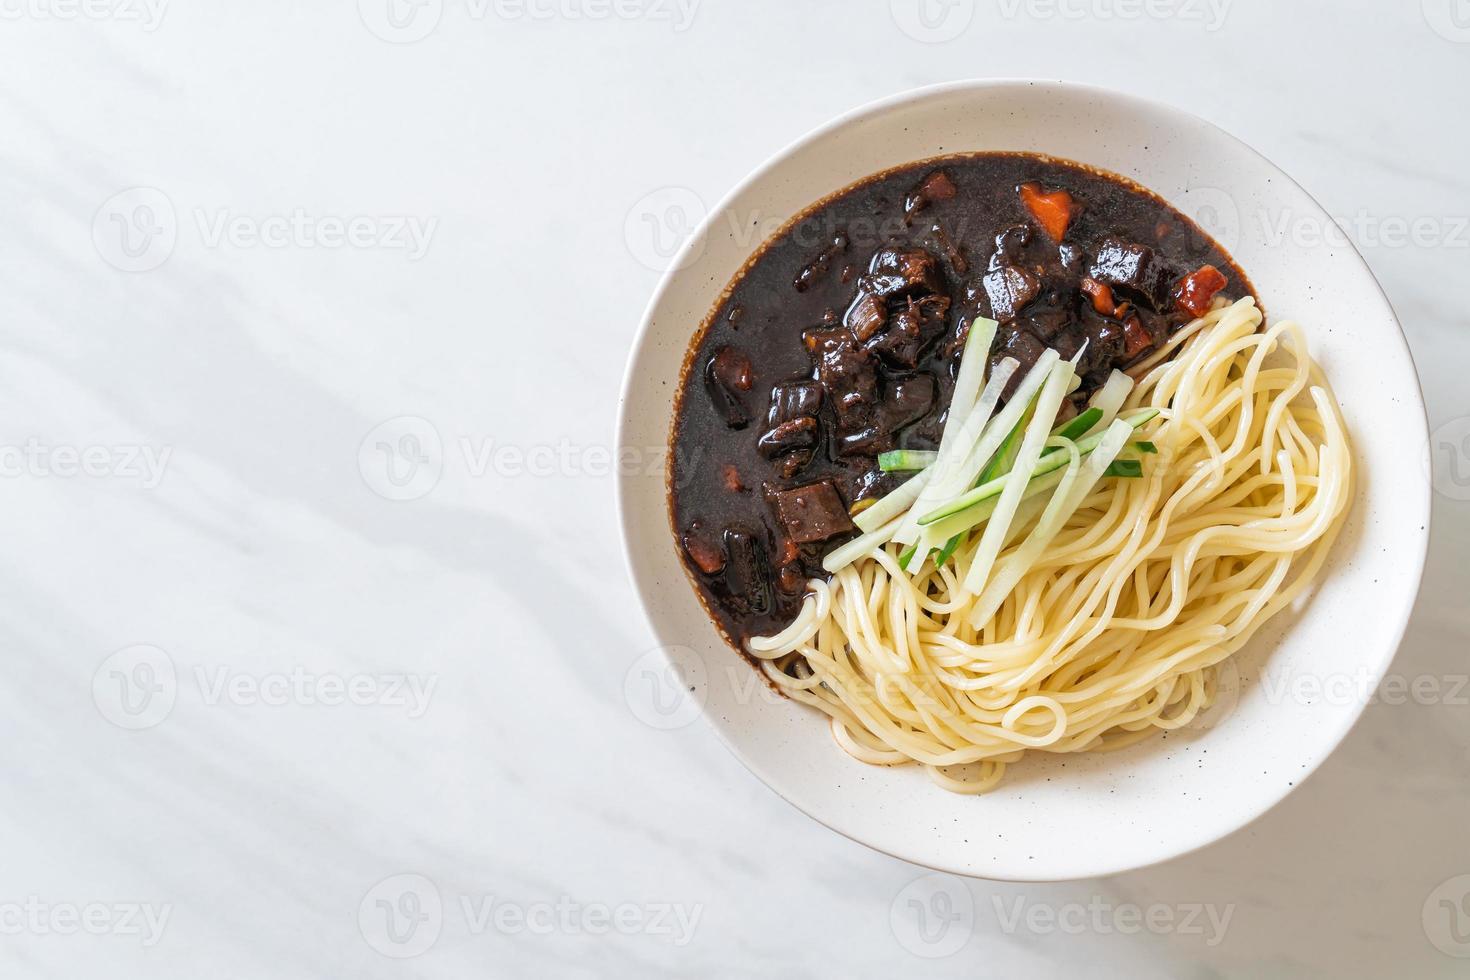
(1116, 629)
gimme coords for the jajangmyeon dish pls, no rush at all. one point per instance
(997, 453)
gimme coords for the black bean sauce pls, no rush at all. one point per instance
(841, 340)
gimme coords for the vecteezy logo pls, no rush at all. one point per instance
(666, 687)
(402, 459)
(136, 687)
(401, 21)
(660, 224)
(1447, 917)
(932, 21)
(1449, 458)
(1450, 19)
(934, 916)
(136, 230)
(1215, 212)
(401, 916)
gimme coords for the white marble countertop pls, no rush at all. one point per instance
(261, 719)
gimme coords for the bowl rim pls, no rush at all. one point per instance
(623, 489)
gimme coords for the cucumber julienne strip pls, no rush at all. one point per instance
(841, 557)
(1047, 463)
(1005, 455)
(906, 460)
(953, 479)
(895, 504)
(914, 460)
(999, 463)
(1109, 400)
(951, 471)
(1079, 426)
(1079, 481)
(948, 551)
(957, 525)
(971, 377)
(1037, 432)
(1008, 418)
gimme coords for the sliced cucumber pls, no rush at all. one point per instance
(1049, 462)
(1080, 426)
(1013, 484)
(893, 505)
(906, 460)
(1128, 469)
(1081, 475)
(1109, 400)
(970, 379)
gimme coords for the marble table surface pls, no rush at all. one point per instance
(316, 622)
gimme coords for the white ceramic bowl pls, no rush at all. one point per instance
(1295, 691)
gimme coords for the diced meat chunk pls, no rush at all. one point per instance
(1104, 343)
(811, 513)
(728, 377)
(1010, 289)
(875, 484)
(793, 400)
(909, 330)
(790, 579)
(1046, 323)
(821, 341)
(899, 344)
(866, 316)
(868, 441)
(1136, 338)
(897, 271)
(798, 435)
(850, 378)
(1009, 245)
(935, 187)
(747, 579)
(1136, 271)
(1066, 340)
(908, 401)
(732, 368)
(904, 403)
(1025, 348)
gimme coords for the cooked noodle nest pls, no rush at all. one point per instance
(1117, 631)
